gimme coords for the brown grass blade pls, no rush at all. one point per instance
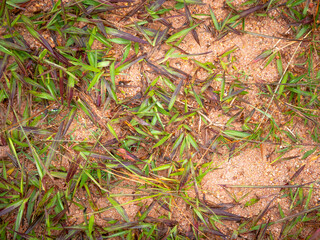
(35, 223)
(134, 11)
(57, 218)
(233, 30)
(116, 165)
(214, 232)
(147, 211)
(169, 223)
(156, 4)
(185, 176)
(102, 28)
(100, 156)
(70, 120)
(36, 130)
(262, 235)
(14, 160)
(128, 62)
(73, 169)
(297, 173)
(195, 36)
(188, 14)
(112, 142)
(10, 208)
(161, 36)
(262, 213)
(164, 205)
(54, 52)
(23, 235)
(160, 70)
(124, 35)
(8, 43)
(175, 94)
(54, 145)
(226, 215)
(252, 10)
(3, 64)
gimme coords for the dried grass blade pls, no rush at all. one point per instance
(188, 14)
(262, 235)
(71, 116)
(128, 64)
(35, 223)
(190, 22)
(156, 4)
(220, 212)
(14, 160)
(23, 235)
(160, 70)
(3, 64)
(36, 130)
(164, 205)
(252, 10)
(297, 173)
(56, 219)
(167, 222)
(160, 36)
(273, 37)
(185, 175)
(12, 45)
(147, 211)
(122, 226)
(233, 30)
(135, 10)
(124, 35)
(195, 36)
(263, 212)
(175, 94)
(214, 232)
(43, 41)
(54, 145)
(100, 156)
(11, 207)
(73, 169)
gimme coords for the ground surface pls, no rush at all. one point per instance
(209, 139)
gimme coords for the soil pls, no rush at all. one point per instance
(248, 167)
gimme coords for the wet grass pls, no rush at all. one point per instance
(55, 81)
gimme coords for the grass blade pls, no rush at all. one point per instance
(180, 34)
(175, 94)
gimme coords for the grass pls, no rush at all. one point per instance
(144, 152)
